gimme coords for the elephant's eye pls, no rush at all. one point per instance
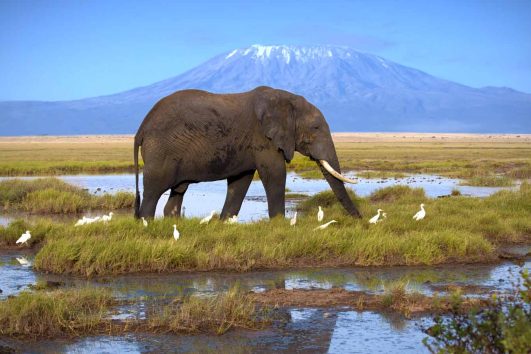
(315, 127)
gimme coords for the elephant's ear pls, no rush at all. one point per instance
(276, 115)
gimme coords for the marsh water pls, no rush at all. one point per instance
(201, 198)
(320, 330)
(307, 329)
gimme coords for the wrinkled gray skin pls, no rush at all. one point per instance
(195, 136)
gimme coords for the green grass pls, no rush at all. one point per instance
(451, 157)
(51, 195)
(216, 314)
(458, 229)
(39, 230)
(488, 181)
(85, 311)
(55, 314)
(72, 155)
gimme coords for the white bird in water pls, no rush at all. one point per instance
(232, 220)
(375, 218)
(293, 220)
(176, 233)
(207, 219)
(420, 214)
(144, 221)
(324, 226)
(24, 238)
(320, 214)
(23, 261)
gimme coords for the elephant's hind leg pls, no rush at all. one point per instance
(175, 201)
(236, 190)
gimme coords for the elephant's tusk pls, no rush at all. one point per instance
(336, 174)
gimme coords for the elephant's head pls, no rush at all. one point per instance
(294, 124)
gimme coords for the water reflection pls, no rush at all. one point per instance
(307, 330)
(425, 279)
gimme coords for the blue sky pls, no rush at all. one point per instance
(56, 50)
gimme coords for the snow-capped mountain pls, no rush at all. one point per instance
(356, 92)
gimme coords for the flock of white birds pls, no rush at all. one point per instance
(85, 220)
(380, 216)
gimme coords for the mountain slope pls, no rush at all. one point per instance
(355, 91)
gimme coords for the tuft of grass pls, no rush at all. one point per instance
(455, 192)
(488, 181)
(325, 199)
(51, 195)
(39, 230)
(217, 314)
(395, 193)
(57, 313)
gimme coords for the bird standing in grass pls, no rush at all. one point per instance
(106, 218)
(420, 214)
(324, 226)
(293, 220)
(144, 221)
(176, 233)
(320, 214)
(375, 218)
(207, 219)
(24, 238)
(81, 221)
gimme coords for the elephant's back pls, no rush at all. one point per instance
(194, 119)
(188, 108)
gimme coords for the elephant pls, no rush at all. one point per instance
(196, 136)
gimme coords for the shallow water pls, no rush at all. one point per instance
(201, 198)
(308, 330)
(313, 330)
(426, 279)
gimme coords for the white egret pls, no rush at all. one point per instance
(293, 220)
(106, 218)
(232, 220)
(420, 214)
(375, 218)
(384, 216)
(176, 233)
(144, 221)
(320, 214)
(207, 219)
(324, 226)
(23, 261)
(81, 221)
(24, 238)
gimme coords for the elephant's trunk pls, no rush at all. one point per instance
(331, 172)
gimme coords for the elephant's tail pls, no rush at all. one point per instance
(138, 142)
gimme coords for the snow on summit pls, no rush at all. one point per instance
(288, 53)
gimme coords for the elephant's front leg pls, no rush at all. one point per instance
(272, 171)
(236, 190)
(175, 201)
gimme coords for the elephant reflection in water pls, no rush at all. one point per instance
(195, 136)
